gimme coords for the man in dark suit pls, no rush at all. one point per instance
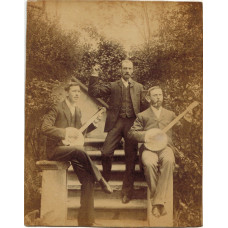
(62, 122)
(125, 102)
(156, 117)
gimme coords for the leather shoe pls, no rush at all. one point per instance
(156, 211)
(163, 211)
(105, 186)
(126, 199)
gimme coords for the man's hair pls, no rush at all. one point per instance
(126, 61)
(70, 84)
(153, 88)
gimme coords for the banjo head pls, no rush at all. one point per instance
(155, 139)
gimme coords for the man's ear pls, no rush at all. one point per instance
(147, 97)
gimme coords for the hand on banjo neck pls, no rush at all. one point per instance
(74, 136)
(156, 139)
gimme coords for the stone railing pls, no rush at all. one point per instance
(53, 210)
(54, 192)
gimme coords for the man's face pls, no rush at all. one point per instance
(74, 94)
(156, 98)
(127, 70)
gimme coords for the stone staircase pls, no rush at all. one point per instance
(109, 208)
(60, 195)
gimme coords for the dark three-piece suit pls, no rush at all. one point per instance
(124, 104)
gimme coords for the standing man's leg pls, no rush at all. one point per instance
(111, 142)
(131, 149)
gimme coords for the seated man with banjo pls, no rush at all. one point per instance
(63, 128)
(153, 128)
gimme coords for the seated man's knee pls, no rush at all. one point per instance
(79, 155)
(168, 155)
(149, 159)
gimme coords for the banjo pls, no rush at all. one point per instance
(158, 139)
(78, 140)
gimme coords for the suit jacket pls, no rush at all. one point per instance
(147, 120)
(114, 89)
(55, 123)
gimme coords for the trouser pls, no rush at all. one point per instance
(158, 179)
(112, 140)
(87, 174)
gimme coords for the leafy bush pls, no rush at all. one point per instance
(174, 61)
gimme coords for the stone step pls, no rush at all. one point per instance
(119, 156)
(117, 176)
(94, 140)
(140, 192)
(97, 143)
(113, 223)
(116, 167)
(116, 185)
(107, 204)
(112, 209)
(98, 152)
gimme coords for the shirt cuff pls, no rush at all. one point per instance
(95, 125)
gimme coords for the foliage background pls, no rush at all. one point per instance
(171, 58)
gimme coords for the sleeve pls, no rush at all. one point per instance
(97, 89)
(48, 127)
(137, 132)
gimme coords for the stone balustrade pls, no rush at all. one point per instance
(54, 192)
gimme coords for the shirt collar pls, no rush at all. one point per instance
(126, 82)
(156, 111)
(70, 106)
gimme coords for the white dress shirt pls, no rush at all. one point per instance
(126, 83)
(156, 111)
(71, 106)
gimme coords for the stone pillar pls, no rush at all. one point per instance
(162, 221)
(53, 210)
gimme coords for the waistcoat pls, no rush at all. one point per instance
(126, 110)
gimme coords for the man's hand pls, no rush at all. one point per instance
(97, 120)
(188, 116)
(96, 70)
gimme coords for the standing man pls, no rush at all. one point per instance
(62, 122)
(158, 179)
(125, 102)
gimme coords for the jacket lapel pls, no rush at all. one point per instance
(67, 112)
(78, 123)
(153, 116)
(120, 83)
(132, 90)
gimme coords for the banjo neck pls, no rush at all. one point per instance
(171, 124)
(85, 125)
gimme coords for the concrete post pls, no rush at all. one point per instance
(53, 210)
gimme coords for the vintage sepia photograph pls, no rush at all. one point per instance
(113, 113)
